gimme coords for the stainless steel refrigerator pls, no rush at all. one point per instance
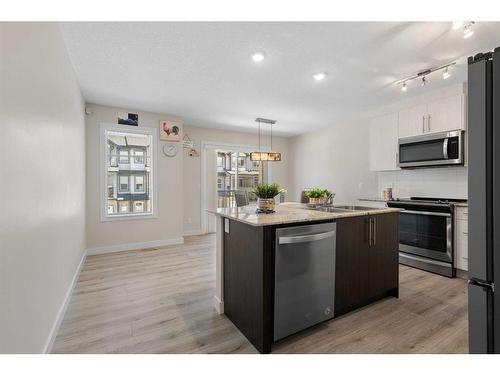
(484, 201)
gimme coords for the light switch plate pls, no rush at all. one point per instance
(226, 225)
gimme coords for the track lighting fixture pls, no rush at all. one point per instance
(422, 75)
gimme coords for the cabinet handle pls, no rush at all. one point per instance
(429, 123)
(374, 231)
(423, 124)
(369, 231)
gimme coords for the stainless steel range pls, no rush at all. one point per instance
(426, 233)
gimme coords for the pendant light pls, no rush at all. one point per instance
(261, 155)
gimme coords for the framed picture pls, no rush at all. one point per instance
(128, 118)
(170, 130)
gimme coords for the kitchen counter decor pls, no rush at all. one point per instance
(318, 196)
(265, 197)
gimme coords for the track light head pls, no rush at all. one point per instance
(446, 74)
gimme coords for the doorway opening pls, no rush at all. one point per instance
(226, 169)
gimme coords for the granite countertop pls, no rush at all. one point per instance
(289, 212)
(461, 204)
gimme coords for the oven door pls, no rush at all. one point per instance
(428, 234)
(431, 149)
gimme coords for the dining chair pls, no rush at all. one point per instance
(241, 198)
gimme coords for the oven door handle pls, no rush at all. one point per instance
(425, 213)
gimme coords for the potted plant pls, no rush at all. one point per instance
(265, 194)
(318, 196)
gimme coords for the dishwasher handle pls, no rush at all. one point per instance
(306, 238)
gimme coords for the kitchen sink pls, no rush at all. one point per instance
(357, 208)
(343, 208)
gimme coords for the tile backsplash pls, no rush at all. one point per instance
(448, 182)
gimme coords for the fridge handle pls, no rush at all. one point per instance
(483, 284)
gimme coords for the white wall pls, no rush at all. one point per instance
(278, 171)
(335, 158)
(168, 224)
(42, 164)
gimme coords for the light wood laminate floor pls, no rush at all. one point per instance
(161, 301)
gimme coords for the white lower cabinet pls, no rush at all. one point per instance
(461, 239)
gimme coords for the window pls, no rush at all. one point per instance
(123, 184)
(219, 183)
(139, 157)
(123, 206)
(124, 156)
(128, 187)
(138, 206)
(139, 184)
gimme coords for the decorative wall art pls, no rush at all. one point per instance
(170, 130)
(128, 118)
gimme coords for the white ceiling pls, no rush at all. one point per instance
(203, 72)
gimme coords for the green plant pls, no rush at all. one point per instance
(317, 193)
(267, 191)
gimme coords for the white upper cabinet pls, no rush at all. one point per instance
(437, 115)
(445, 114)
(412, 121)
(384, 142)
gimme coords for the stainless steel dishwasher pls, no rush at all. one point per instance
(304, 291)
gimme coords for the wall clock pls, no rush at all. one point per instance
(170, 150)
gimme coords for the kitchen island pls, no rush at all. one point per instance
(363, 264)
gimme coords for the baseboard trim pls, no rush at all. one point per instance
(192, 232)
(219, 305)
(64, 306)
(135, 246)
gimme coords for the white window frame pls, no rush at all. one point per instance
(143, 156)
(104, 157)
(120, 184)
(120, 157)
(143, 190)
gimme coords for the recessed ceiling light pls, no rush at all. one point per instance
(258, 57)
(319, 76)
(457, 25)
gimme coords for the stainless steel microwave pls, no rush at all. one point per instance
(432, 150)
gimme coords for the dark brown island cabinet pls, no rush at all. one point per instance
(366, 270)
